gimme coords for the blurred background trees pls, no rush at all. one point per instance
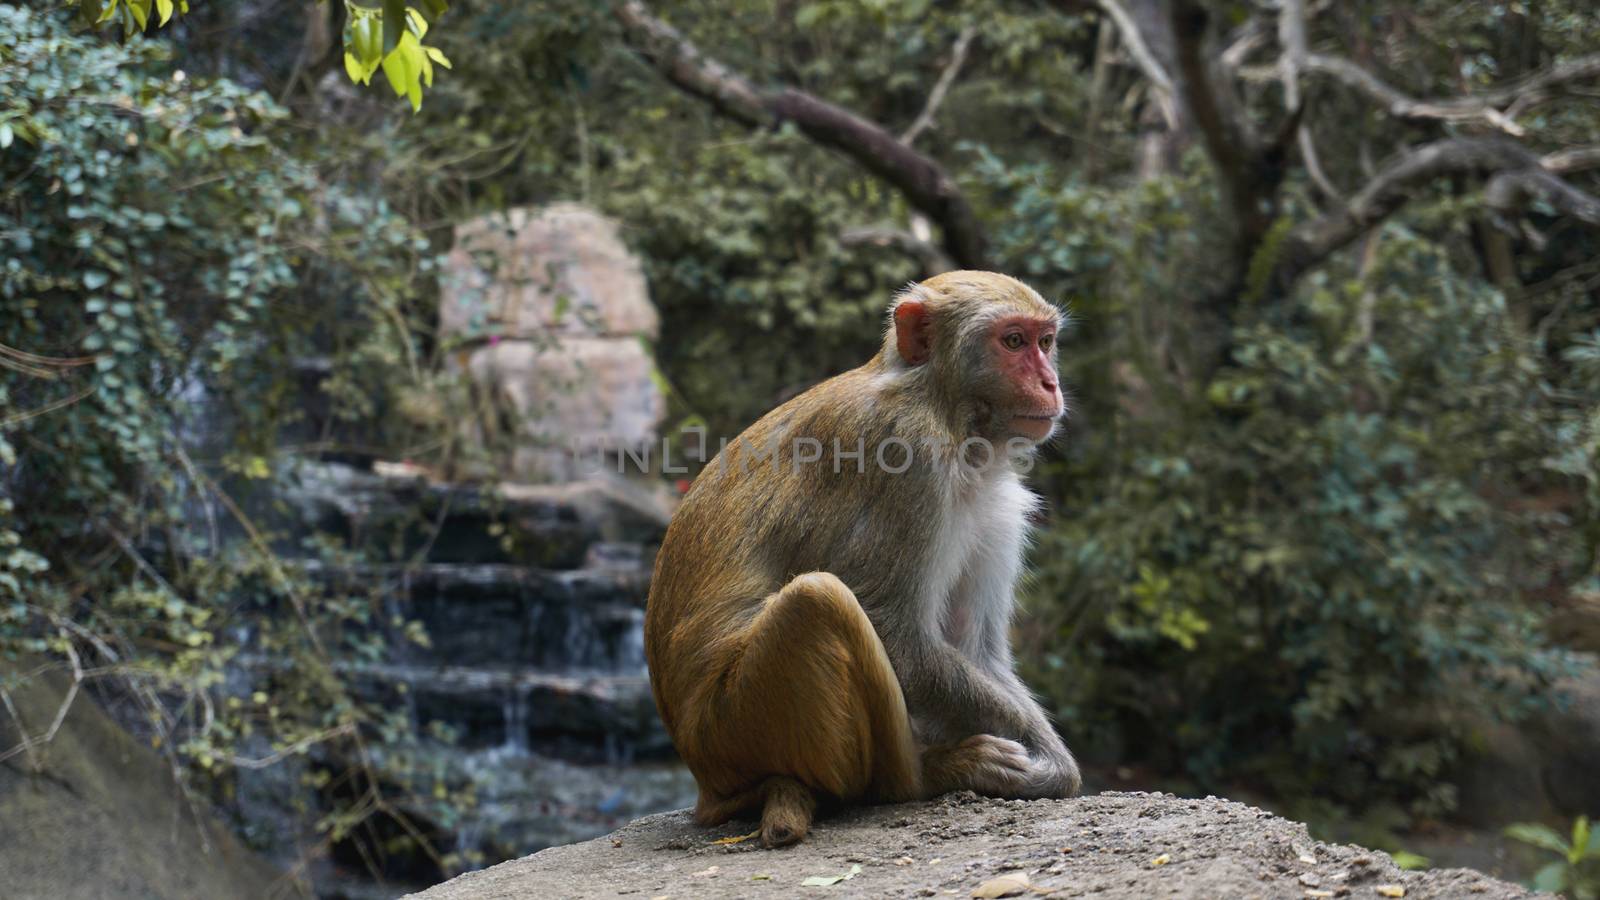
(1326, 515)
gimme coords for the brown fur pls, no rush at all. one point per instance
(787, 624)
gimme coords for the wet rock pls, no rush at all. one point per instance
(400, 513)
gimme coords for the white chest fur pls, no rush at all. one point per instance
(974, 564)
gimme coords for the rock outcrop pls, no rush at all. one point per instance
(93, 813)
(1111, 845)
(548, 317)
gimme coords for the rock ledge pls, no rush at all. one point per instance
(1111, 845)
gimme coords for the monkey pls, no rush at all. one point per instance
(828, 614)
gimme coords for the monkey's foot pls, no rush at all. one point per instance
(787, 807)
(983, 763)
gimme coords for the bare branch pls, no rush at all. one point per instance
(1248, 182)
(958, 58)
(933, 259)
(1487, 106)
(1292, 35)
(1493, 157)
(1577, 159)
(1139, 49)
(1509, 193)
(924, 182)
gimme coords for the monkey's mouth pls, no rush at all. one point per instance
(1034, 425)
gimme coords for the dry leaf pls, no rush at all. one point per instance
(1319, 893)
(904, 861)
(760, 877)
(1008, 885)
(739, 839)
(936, 860)
(1390, 890)
(1161, 860)
(1304, 853)
(616, 842)
(707, 873)
(830, 880)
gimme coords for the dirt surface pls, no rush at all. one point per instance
(1104, 846)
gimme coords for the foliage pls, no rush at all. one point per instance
(388, 36)
(1577, 870)
(1316, 563)
(163, 240)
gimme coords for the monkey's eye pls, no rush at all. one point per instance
(1046, 341)
(1014, 341)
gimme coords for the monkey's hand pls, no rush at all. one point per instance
(984, 764)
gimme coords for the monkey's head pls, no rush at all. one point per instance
(985, 345)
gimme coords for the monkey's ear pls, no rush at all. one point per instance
(912, 335)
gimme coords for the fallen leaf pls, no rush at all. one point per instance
(1009, 885)
(1319, 893)
(1390, 890)
(616, 842)
(1066, 849)
(904, 861)
(739, 839)
(760, 877)
(936, 860)
(830, 880)
(707, 873)
(1304, 853)
(1161, 860)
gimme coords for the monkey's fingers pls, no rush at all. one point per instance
(983, 763)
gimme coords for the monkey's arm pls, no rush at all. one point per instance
(957, 699)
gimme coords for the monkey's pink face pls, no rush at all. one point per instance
(1024, 350)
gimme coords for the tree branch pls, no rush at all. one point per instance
(932, 259)
(1143, 58)
(1248, 178)
(1292, 36)
(1576, 159)
(958, 58)
(1486, 106)
(921, 179)
(1515, 174)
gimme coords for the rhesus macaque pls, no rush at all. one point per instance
(829, 612)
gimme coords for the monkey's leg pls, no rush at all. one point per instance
(811, 706)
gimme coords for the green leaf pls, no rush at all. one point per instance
(354, 69)
(438, 57)
(1580, 840)
(394, 24)
(164, 7)
(397, 68)
(1552, 878)
(1537, 835)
